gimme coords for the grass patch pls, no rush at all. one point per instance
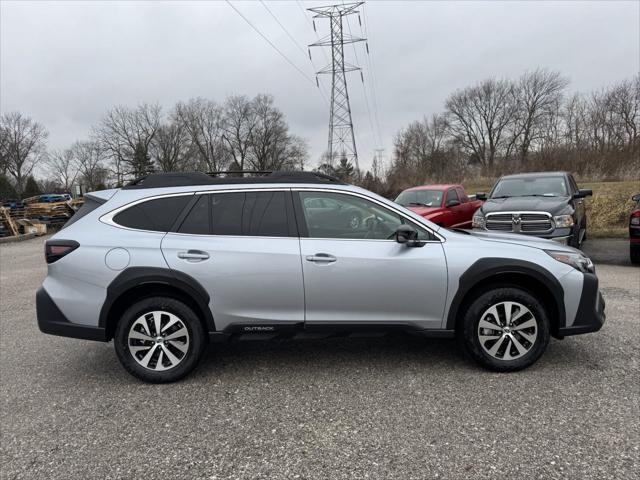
(607, 211)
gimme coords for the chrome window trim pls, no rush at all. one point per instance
(440, 238)
(107, 218)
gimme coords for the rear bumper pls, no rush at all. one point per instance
(52, 321)
(590, 316)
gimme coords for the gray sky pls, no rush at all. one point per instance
(66, 63)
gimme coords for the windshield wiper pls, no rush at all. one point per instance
(418, 204)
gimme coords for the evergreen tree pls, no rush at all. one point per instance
(31, 188)
(142, 164)
(7, 190)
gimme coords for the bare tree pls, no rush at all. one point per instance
(62, 167)
(170, 147)
(126, 135)
(90, 161)
(271, 147)
(24, 146)
(479, 116)
(536, 99)
(203, 122)
(238, 124)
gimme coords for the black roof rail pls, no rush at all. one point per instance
(186, 179)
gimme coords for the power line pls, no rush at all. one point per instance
(271, 43)
(372, 75)
(376, 135)
(302, 50)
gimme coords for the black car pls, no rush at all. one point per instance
(547, 204)
(634, 231)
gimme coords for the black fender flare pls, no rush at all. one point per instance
(135, 276)
(485, 268)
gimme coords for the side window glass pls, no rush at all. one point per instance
(463, 197)
(226, 212)
(349, 217)
(265, 214)
(451, 195)
(197, 221)
(155, 215)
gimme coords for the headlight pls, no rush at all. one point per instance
(563, 221)
(478, 220)
(576, 260)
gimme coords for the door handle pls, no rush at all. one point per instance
(193, 255)
(321, 258)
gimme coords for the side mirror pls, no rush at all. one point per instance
(636, 197)
(408, 235)
(481, 196)
(453, 203)
(583, 193)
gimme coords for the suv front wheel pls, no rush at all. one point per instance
(505, 329)
(159, 340)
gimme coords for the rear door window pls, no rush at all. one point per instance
(260, 214)
(156, 215)
(451, 195)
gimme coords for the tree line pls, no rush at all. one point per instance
(527, 124)
(495, 127)
(198, 135)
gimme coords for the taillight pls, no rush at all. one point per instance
(54, 250)
(635, 218)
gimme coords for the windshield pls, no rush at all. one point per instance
(426, 198)
(530, 186)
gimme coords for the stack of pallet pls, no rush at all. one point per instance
(55, 213)
(8, 226)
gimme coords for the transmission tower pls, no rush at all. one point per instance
(342, 141)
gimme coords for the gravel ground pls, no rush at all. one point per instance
(362, 408)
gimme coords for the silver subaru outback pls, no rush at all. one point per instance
(171, 262)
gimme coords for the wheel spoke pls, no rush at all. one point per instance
(172, 358)
(139, 348)
(172, 321)
(521, 349)
(157, 321)
(507, 351)
(140, 336)
(145, 360)
(182, 332)
(508, 307)
(494, 312)
(520, 314)
(528, 324)
(528, 337)
(485, 338)
(159, 365)
(183, 347)
(489, 325)
(496, 346)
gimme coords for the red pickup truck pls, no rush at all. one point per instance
(445, 205)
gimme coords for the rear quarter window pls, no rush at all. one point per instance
(156, 215)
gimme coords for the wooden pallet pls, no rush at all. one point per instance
(8, 222)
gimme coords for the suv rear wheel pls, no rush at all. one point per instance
(159, 340)
(505, 329)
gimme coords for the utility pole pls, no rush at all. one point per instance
(342, 141)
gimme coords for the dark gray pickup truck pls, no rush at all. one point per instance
(545, 204)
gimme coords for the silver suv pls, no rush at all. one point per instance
(171, 262)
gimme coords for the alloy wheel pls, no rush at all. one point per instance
(507, 330)
(158, 340)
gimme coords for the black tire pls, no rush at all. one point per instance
(197, 339)
(634, 253)
(574, 239)
(468, 332)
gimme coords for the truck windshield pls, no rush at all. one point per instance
(530, 186)
(427, 198)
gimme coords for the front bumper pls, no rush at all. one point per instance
(52, 321)
(590, 316)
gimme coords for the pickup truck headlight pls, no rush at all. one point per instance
(478, 220)
(563, 221)
(578, 261)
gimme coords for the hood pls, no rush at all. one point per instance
(518, 239)
(425, 211)
(552, 205)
